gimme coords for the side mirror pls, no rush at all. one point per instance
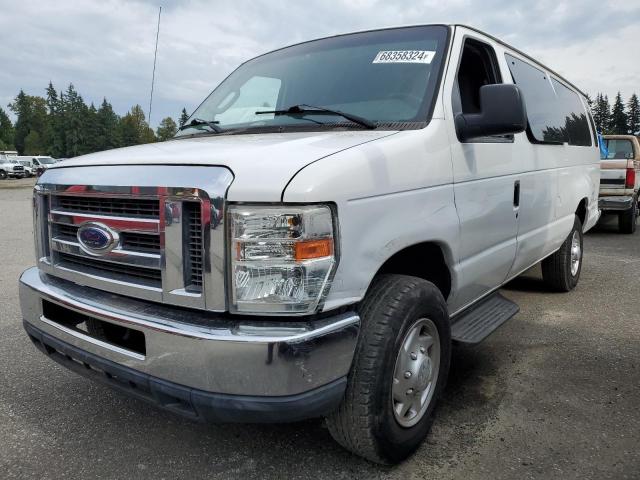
(502, 111)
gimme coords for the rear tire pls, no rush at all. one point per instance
(402, 319)
(3, 175)
(627, 220)
(560, 270)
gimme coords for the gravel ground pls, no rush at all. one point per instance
(552, 394)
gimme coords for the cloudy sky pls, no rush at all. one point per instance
(105, 48)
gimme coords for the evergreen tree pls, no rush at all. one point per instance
(6, 131)
(34, 144)
(184, 116)
(589, 101)
(618, 117)
(55, 137)
(108, 134)
(167, 129)
(633, 115)
(20, 107)
(74, 120)
(91, 131)
(32, 117)
(602, 113)
(134, 128)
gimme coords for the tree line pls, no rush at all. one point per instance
(621, 119)
(62, 125)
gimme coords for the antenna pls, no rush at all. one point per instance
(155, 56)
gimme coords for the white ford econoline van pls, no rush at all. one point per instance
(332, 217)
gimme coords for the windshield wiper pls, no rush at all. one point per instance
(196, 122)
(304, 109)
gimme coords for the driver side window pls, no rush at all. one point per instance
(478, 67)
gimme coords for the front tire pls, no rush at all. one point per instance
(399, 370)
(627, 220)
(561, 271)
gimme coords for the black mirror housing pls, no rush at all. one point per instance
(502, 112)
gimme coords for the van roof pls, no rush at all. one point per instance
(449, 25)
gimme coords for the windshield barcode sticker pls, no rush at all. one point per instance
(404, 56)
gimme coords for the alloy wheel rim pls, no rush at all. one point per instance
(576, 253)
(416, 372)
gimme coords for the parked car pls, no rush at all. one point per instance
(620, 180)
(9, 166)
(365, 221)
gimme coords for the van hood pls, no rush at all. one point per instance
(262, 164)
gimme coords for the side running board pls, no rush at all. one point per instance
(481, 320)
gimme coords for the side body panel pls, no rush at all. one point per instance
(553, 180)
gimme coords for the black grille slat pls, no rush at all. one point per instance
(140, 242)
(128, 207)
(66, 232)
(193, 271)
(148, 275)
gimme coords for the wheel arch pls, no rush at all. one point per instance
(429, 260)
(582, 209)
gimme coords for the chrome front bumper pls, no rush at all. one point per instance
(198, 350)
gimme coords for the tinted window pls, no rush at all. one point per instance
(573, 114)
(618, 148)
(555, 113)
(386, 76)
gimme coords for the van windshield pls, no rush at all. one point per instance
(387, 76)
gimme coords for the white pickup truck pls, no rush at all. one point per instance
(330, 219)
(9, 165)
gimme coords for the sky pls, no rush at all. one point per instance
(105, 48)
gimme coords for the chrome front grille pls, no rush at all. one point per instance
(164, 244)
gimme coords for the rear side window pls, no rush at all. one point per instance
(574, 116)
(618, 149)
(554, 112)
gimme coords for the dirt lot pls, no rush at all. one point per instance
(17, 183)
(555, 393)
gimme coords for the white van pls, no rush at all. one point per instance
(33, 164)
(332, 217)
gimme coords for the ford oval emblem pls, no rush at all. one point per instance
(96, 238)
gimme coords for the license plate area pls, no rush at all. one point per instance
(116, 335)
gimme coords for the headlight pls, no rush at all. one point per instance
(281, 258)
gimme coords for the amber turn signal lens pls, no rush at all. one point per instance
(314, 249)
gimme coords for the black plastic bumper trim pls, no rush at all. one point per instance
(189, 402)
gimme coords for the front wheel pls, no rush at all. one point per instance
(400, 368)
(561, 270)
